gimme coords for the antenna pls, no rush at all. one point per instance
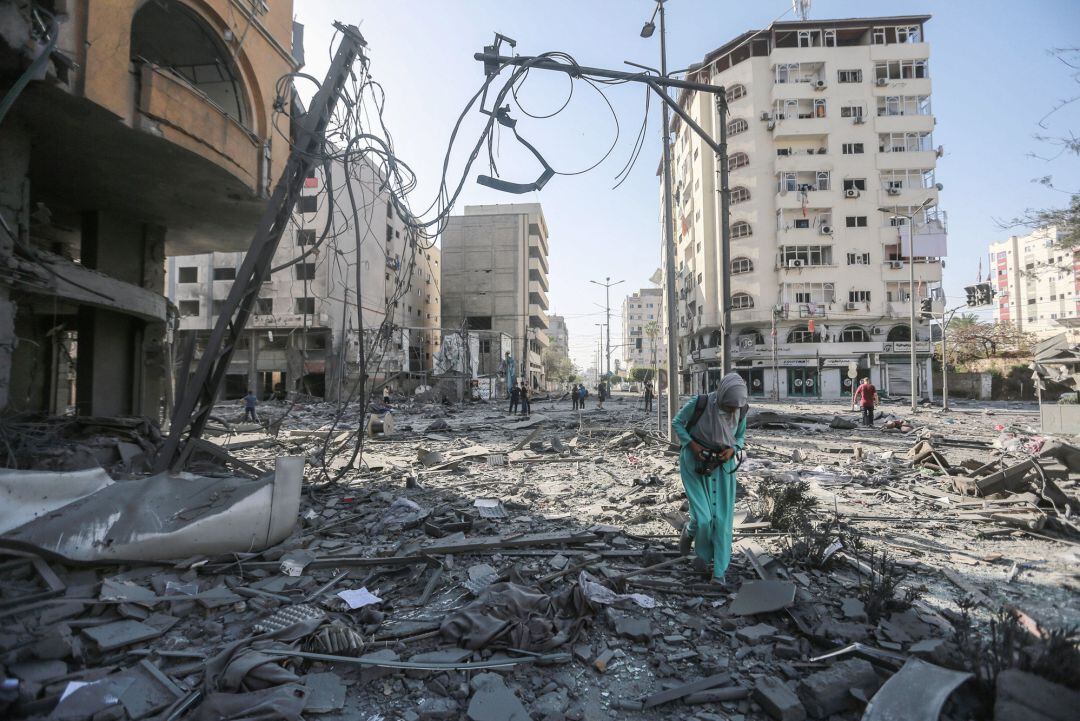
(801, 8)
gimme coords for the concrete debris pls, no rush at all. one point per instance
(467, 567)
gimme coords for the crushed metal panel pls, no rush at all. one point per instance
(165, 517)
(917, 691)
(32, 494)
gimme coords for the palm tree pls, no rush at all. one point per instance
(652, 330)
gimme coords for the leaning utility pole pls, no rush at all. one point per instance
(196, 401)
(606, 285)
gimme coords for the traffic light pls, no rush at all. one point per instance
(972, 295)
(979, 294)
(926, 308)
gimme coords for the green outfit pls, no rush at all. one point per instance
(712, 497)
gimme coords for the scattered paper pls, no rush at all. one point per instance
(358, 598)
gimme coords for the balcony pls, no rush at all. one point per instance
(900, 51)
(538, 272)
(537, 317)
(803, 160)
(537, 295)
(800, 127)
(790, 200)
(536, 254)
(907, 160)
(540, 336)
(904, 123)
(911, 197)
(905, 86)
(538, 241)
(185, 116)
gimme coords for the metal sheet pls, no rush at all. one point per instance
(917, 691)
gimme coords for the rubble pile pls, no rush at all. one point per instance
(469, 564)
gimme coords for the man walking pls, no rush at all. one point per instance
(525, 410)
(866, 395)
(249, 406)
(574, 396)
(648, 396)
(515, 396)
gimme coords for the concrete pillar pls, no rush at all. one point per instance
(14, 165)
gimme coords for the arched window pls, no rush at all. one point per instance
(802, 334)
(168, 34)
(742, 265)
(737, 160)
(735, 92)
(899, 333)
(739, 194)
(742, 301)
(736, 126)
(741, 229)
(854, 334)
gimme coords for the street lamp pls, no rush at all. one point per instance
(606, 285)
(895, 212)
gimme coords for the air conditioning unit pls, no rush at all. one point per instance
(794, 264)
(896, 264)
(881, 82)
(825, 230)
(819, 85)
(877, 330)
(859, 120)
(771, 125)
(892, 191)
(765, 115)
(851, 193)
(851, 306)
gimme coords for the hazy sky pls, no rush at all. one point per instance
(993, 79)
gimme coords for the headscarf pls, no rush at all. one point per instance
(716, 427)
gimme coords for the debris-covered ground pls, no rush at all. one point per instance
(490, 567)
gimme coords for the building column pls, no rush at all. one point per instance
(14, 165)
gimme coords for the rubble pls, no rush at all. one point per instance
(429, 582)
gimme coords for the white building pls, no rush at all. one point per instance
(559, 335)
(643, 329)
(1037, 284)
(303, 334)
(828, 121)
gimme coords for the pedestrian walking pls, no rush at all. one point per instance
(648, 396)
(711, 429)
(250, 400)
(515, 397)
(866, 395)
(574, 396)
(583, 393)
(386, 395)
(525, 409)
(601, 394)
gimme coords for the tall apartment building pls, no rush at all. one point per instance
(559, 335)
(495, 277)
(828, 121)
(1037, 284)
(304, 333)
(644, 329)
(143, 128)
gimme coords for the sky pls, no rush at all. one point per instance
(993, 79)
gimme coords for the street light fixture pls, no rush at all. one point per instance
(895, 212)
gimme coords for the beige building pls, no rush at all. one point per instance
(145, 128)
(644, 329)
(495, 277)
(828, 121)
(1037, 284)
(304, 333)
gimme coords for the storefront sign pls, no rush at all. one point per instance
(905, 346)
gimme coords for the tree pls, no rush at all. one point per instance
(1063, 142)
(971, 339)
(557, 366)
(640, 374)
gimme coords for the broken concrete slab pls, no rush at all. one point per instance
(918, 690)
(763, 597)
(167, 517)
(755, 634)
(120, 633)
(778, 700)
(326, 693)
(493, 700)
(827, 692)
(1022, 695)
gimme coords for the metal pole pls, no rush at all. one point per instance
(911, 297)
(669, 249)
(607, 319)
(775, 362)
(725, 240)
(944, 365)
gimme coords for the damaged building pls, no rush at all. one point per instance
(304, 334)
(130, 131)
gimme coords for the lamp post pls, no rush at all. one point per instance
(895, 212)
(669, 232)
(946, 318)
(606, 285)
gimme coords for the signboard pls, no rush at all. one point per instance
(838, 362)
(905, 346)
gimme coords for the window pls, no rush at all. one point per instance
(305, 236)
(858, 296)
(224, 273)
(855, 221)
(305, 306)
(904, 142)
(855, 184)
(853, 334)
(738, 125)
(802, 223)
(742, 265)
(795, 256)
(878, 36)
(741, 229)
(802, 334)
(305, 271)
(822, 180)
(858, 259)
(900, 70)
(739, 194)
(735, 92)
(264, 306)
(738, 160)
(851, 148)
(389, 209)
(903, 105)
(189, 274)
(188, 308)
(849, 76)
(308, 203)
(851, 111)
(389, 235)
(741, 301)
